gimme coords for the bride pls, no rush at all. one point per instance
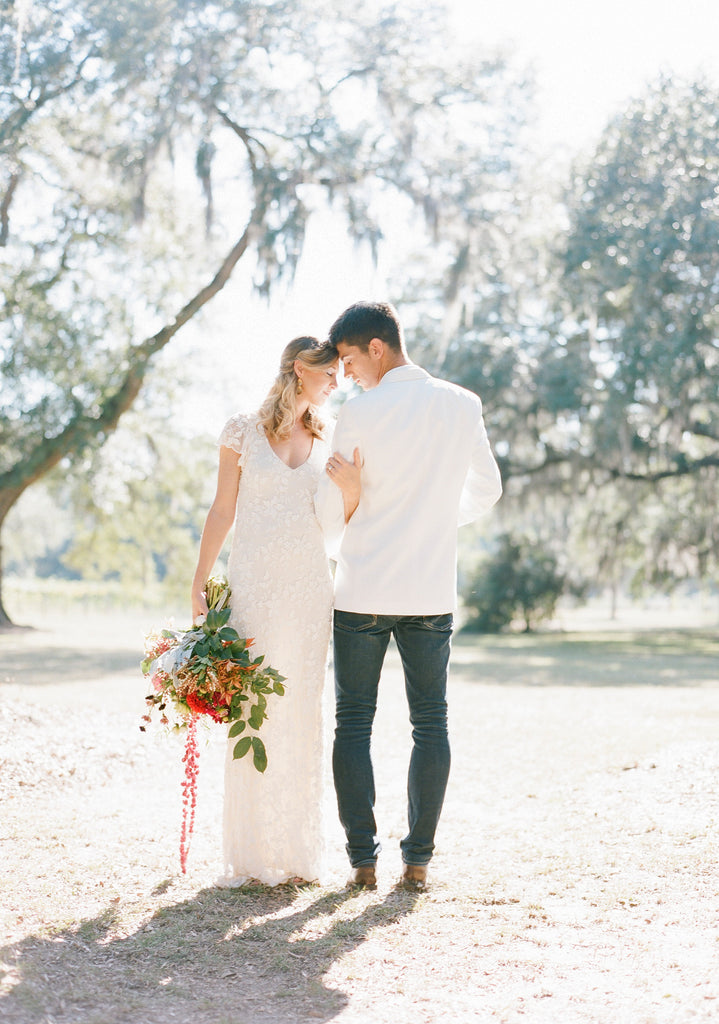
(270, 464)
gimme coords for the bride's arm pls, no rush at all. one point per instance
(217, 525)
(347, 476)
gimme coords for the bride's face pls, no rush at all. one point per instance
(318, 382)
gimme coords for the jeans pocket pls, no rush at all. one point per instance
(439, 623)
(354, 622)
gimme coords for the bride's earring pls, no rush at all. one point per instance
(300, 386)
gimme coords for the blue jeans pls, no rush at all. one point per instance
(360, 643)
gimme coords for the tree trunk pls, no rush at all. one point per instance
(6, 503)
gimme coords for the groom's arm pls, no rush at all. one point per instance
(483, 484)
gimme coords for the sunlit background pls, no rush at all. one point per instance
(587, 61)
(509, 143)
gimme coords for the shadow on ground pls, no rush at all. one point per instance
(224, 956)
(42, 664)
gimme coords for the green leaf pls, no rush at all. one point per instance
(216, 620)
(257, 717)
(238, 652)
(259, 754)
(279, 688)
(241, 747)
(227, 633)
(236, 728)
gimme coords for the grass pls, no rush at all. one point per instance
(683, 657)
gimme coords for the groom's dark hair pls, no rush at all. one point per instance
(364, 321)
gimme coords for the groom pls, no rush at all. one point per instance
(426, 468)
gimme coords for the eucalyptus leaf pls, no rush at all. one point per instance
(236, 728)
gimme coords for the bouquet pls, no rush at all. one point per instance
(208, 670)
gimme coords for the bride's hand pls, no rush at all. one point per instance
(347, 476)
(199, 605)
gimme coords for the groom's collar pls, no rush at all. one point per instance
(408, 371)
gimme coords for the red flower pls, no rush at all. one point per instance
(201, 707)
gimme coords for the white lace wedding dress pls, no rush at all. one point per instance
(282, 596)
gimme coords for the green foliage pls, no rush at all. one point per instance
(519, 580)
(247, 708)
(138, 506)
(192, 677)
(605, 358)
(150, 146)
(596, 352)
(642, 271)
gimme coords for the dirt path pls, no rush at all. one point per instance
(576, 878)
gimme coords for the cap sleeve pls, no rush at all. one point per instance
(235, 434)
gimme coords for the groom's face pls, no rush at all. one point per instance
(364, 368)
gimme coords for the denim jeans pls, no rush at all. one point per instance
(360, 643)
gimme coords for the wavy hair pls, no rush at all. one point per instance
(279, 410)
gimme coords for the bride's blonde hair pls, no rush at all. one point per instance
(278, 411)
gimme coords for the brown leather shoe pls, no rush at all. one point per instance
(414, 877)
(363, 877)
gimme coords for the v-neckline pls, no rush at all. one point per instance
(291, 469)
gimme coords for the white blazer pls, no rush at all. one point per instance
(426, 468)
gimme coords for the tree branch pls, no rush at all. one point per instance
(685, 468)
(14, 124)
(702, 430)
(5, 207)
(246, 138)
(84, 427)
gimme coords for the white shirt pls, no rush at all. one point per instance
(426, 468)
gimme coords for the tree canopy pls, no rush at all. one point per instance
(595, 345)
(149, 146)
(642, 273)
